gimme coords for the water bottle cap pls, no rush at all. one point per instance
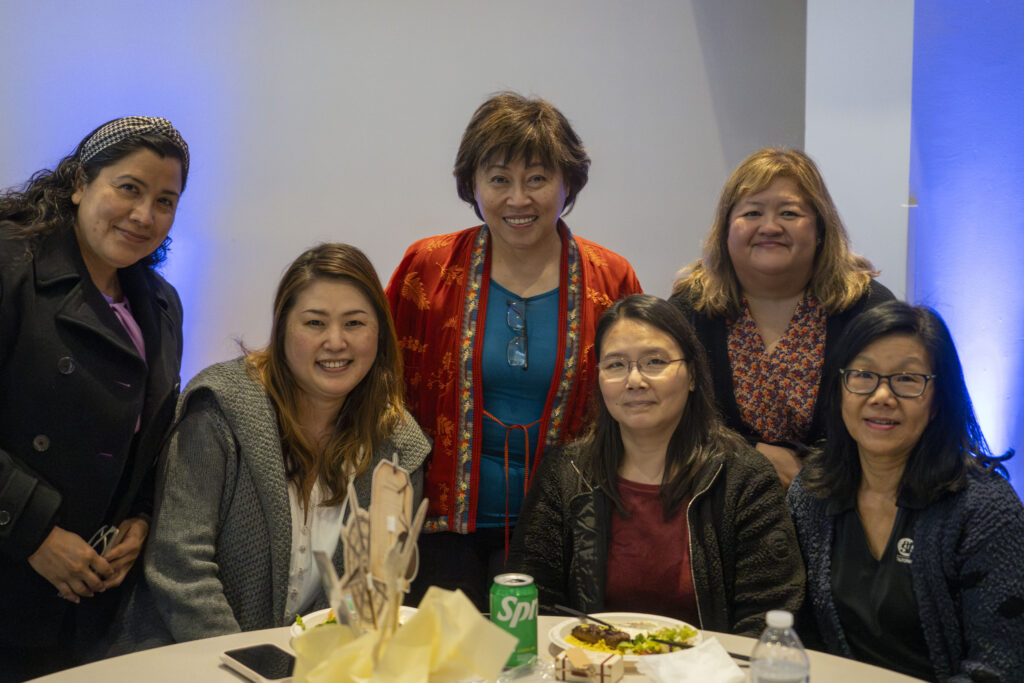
(779, 618)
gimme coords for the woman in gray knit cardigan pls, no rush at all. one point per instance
(264, 447)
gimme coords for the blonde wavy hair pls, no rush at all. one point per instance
(372, 410)
(839, 278)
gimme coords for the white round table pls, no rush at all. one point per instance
(198, 661)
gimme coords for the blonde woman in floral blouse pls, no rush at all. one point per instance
(769, 297)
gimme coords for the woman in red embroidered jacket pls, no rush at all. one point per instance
(496, 325)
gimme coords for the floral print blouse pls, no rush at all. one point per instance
(776, 391)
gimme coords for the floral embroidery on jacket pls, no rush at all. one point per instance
(412, 289)
(464, 452)
(441, 346)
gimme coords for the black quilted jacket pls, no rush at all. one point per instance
(743, 547)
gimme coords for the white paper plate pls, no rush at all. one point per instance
(312, 619)
(630, 622)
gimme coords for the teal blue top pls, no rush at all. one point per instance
(513, 395)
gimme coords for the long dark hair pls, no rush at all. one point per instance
(952, 441)
(43, 204)
(700, 434)
(372, 409)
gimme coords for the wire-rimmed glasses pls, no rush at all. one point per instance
(902, 384)
(650, 366)
(104, 539)
(516, 318)
(102, 542)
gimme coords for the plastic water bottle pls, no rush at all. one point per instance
(779, 656)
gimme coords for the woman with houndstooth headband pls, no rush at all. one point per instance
(90, 356)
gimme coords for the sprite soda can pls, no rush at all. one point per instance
(514, 608)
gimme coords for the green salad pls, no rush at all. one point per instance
(643, 645)
(331, 619)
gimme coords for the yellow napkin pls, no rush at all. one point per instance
(332, 653)
(446, 640)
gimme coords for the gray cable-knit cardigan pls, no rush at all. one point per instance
(967, 572)
(218, 555)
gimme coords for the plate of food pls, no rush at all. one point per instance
(326, 616)
(630, 637)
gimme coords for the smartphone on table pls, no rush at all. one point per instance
(261, 663)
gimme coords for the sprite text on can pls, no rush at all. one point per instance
(514, 608)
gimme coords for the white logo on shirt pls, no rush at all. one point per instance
(904, 547)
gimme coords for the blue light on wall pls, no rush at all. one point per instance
(171, 67)
(967, 174)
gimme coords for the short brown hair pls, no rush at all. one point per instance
(372, 410)
(516, 127)
(839, 278)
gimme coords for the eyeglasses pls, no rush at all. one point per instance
(902, 384)
(516, 318)
(104, 539)
(615, 369)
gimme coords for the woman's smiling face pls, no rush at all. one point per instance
(883, 424)
(520, 203)
(773, 232)
(330, 341)
(126, 212)
(644, 406)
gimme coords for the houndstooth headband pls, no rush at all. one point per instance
(117, 130)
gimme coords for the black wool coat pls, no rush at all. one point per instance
(72, 388)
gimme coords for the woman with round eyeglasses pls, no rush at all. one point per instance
(659, 470)
(496, 324)
(913, 541)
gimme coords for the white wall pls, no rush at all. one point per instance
(859, 78)
(313, 121)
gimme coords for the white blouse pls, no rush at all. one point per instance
(320, 529)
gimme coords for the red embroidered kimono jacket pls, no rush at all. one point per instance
(438, 297)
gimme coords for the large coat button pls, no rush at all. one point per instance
(66, 365)
(5, 517)
(41, 443)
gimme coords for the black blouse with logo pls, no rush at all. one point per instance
(875, 598)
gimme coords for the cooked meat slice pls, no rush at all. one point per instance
(588, 633)
(591, 633)
(613, 637)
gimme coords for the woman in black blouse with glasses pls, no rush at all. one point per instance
(913, 544)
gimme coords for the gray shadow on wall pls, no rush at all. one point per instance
(755, 61)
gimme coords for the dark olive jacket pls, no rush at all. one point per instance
(72, 387)
(743, 548)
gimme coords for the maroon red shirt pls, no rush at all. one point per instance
(649, 558)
